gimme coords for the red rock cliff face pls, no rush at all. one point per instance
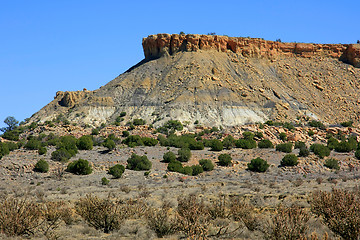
(159, 45)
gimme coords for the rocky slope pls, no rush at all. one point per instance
(226, 81)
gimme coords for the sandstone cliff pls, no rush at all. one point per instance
(219, 80)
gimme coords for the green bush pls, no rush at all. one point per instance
(169, 157)
(138, 122)
(33, 144)
(289, 160)
(85, 143)
(299, 145)
(196, 145)
(288, 126)
(304, 152)
(4, 149)
(283, 136)
(320, 150)
(133, 141)
(317, 124)
(60, 155)
(248, 135)
(284, 147)
(174, 125)
(265, 143)
(117, 170)
(42, 150)
(79, 167)
(187, 170)
(138, 163)
(357, 154)
(332, 163)
(122, 114)
(125, 134)
(149, 141)
(12, 146)
(245, 143)
(197, 169)
(347, 124)
(69, 143)
(206, 164)
(216, 145)
(105, 181)
(184, 154)
(41, 166)
(225, 159)
(332, 143)
(175, 166)
(109, 144)
(228, 142)
(343, 147)
(258, 165)
(95, 131)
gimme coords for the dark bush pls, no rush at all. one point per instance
(332, 143)
(225, 159)
(138, 163)
(228, 142)
(245, 143)
(184, 154)
(347, 124)
(169, 157)
(105, 181)
(265, 143)
(4, 149)
(304, 152)
(311, 133)
(175, 166)
(187, 170)
(343, 147)
(138, 122)
(258, 165)
(12, 146)
(41, 166)
(332, 163)
(69, 143)
(122, 114)
(284, 147)
(248, 135)
(117, 170)
(317, 124)
(109, 144)
(288, 126)
(357, 154)
(125, 134)
(289, 160)
(283, 136)
(197, 169)
(196, 145)
(174, 125)
(33, 144)
(85, 143)
(299, 144)
(95, 131)
(133, 141)
(61, 155)
(216, 145)
(149, 141)
(259, 135)
(320, 150)
(206, 164)
(79, 167)
(42, 150)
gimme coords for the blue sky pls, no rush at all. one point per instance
(58, 45)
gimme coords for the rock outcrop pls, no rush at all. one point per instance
(159, 45)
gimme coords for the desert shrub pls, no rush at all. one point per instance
(311, 133)
(248, 135)
(289, 160)
(105, 181)
(12, 146)
(258, 165)
(41, 166)
(69, 143)
(339, 210)
(225, 159)
(196, 145)
(109, 144)
(304, 152)
(289, 223)
(317, 124)
(347, 124)
(60, 155)
(169, 157)
(102, 214)
(4, 149)
(352, 140)
(197, 169)
(138, 122)
(228, 142)
(95, 131)
(184, 154)
(33, 144)
(332, 143)
(265, 143)
(332, 163)
(206, 164)
(122, 114)
(19, 216)
(12, 135)
(284, 147)
(343, 146)
(320, 150)
(42, 150)
(259, 135)
(245, 143)
(216, 145)
(85, 143)
(187, 170)
(79, 167)
(175, 166)
(357, 154)
(283, 136)
(125, 133)
(138, 163)
(160, 221)
(117, 170)
(299, 144)
(133, 141)
(288, 126)
(173, 125)
(149, 141)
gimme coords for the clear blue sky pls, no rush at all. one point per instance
(57, 45)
